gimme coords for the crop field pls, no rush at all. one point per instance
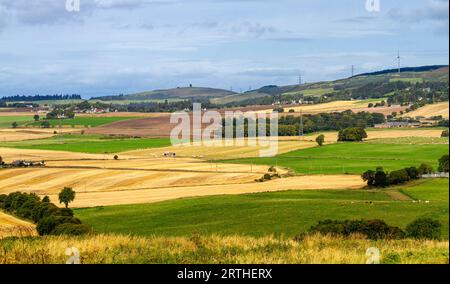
(84, 121)
(7, 121)
(354, 158)
(431, 110)
(335, 106)
(89, 143)
(196, 249)
(11, 226)
(285, 213)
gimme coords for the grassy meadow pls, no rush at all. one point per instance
(7, 121)
(89, 143)
(83, 121)
(286, 213)
(354, 158)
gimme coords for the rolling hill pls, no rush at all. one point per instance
(176, 93)
(437, 73)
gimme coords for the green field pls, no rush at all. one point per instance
(354, 158)
(7, 121)
(280, 213)
(84, 121)
(89, 143)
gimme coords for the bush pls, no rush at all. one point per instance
(48, 224)
(444, 133)
(424, 228)
(398, 177)
(71, 229)
(320, 139)
(425, 169)
(443, 164)
(354, 134)
(381, 178)
(372, 229)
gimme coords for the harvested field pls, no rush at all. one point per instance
(337, 106)
(22, 134)
(11, 226)
(223, 151)
(11, 154)
(431, 110)
(285, 144)
(92, 199)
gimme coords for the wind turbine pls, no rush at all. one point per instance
(399, 62)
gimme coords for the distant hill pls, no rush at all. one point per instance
(406, 69)
(435, 73)
(177, 93)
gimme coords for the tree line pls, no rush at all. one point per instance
(24, 98)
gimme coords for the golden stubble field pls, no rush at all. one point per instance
(11, 226)
(144, 176)
(22, 134)
(431, 110)
(133, 180)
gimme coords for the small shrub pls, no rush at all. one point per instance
(372, 229)
(392, 258)
(71, 229)
(424, 228)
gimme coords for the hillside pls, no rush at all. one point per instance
(328, 88)
(177, 93)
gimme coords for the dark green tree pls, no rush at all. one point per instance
(66, 196)
(320, 139)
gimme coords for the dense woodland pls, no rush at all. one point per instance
(34, 98)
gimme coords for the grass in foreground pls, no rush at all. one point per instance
(280, 213)
(89, 143)
(119, 249)
(354, 158)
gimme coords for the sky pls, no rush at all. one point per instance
(110, 47)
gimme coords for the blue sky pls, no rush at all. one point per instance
(125, 46)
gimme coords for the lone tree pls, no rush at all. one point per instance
(14, 124)
(444, 133)
(320, 139)
(36, 117)
(66, 196)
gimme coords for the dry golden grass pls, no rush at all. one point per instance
(431, 110)
(119, 249)
(11, 226)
